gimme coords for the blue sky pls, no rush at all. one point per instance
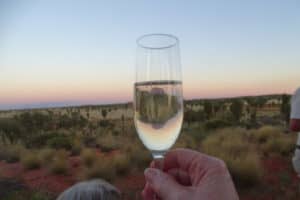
(84, 51)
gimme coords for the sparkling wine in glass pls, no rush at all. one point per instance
(158, 101)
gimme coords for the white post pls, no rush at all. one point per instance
(296, 158)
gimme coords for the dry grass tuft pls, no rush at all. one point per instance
(265, 133)
(233, 146)
(88, 156)
(46, 155)
(121, 164)
(59, 163)
(101, 168)
(30, 160)
(108, 143)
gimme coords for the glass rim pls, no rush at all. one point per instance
(139, 43)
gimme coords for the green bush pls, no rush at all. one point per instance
(11, 130)
(105, 123)
(11, 153)
(60, 142)
(30, 160)
(216, 124)
(40, 139)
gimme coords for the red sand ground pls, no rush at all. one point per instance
(272, 186)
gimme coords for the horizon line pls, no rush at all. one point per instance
(38, 106)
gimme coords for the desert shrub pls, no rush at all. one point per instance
(46, 155)
(193, 116)
(116, 131)
(88, 156)
(101, 168)
(40, 139)
(139, 156)
(60, 142)
(233, 146)
(11, 153)
(186, 141)
(287, 145)
(198, 133)
(236, 109)
(108, 143)
(216, 124)
(265, 133)
(10, 130)
(247, 170)
(121, 164)
(272, 140)
(89, 141)
(34, 120)
(59, 163)
(105, 123)
(76, 147)
(30, 160)
(279, 145)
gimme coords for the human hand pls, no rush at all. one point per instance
(189, 175)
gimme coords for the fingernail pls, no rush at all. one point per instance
(150, 174)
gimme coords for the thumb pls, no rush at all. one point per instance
(163, 184)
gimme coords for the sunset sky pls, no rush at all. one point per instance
(60, 52)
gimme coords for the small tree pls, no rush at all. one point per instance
(123, 122)
(217, 106)
(208, 109)
(237, 109)
(252, 106)
(260, 101)
(104, 113)
(10, 130)
(285, 107)
(189, 116)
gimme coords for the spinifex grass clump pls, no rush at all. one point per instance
(121, 163)
(46, 155)
(242, 159)
(265, 133)
(88, 156)
(101, 168)
(30, 160)
(272, 140)
(108, 142)
(59, 163)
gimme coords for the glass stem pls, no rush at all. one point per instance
(158, 157)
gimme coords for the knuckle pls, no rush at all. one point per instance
(222, 164)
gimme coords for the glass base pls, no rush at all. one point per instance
(158, 154)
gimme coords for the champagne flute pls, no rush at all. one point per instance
(158, 101)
